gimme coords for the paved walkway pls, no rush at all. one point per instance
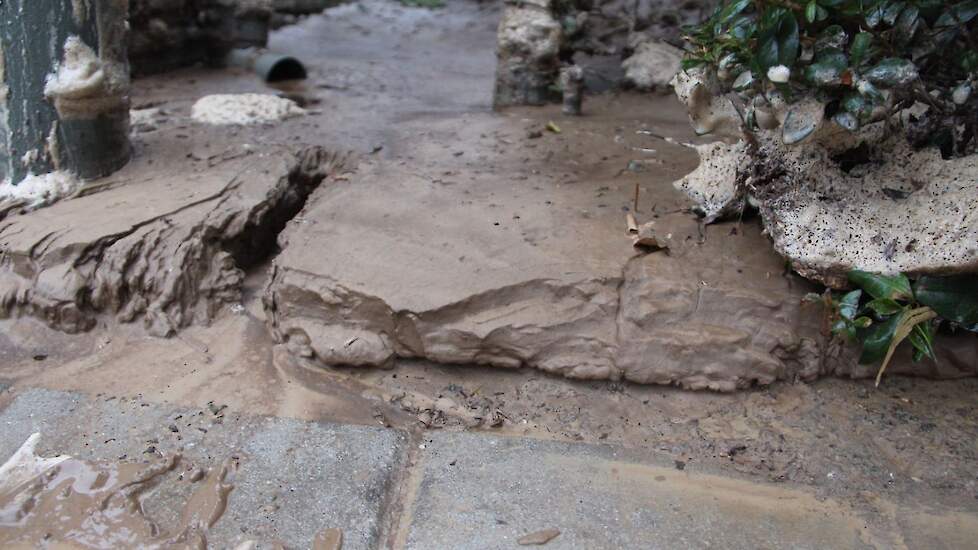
(455, 490)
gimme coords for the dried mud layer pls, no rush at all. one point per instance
(164, 241)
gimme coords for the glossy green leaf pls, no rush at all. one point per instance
(906, 26)
(833, 37)
(884, 306)
(877, 339)
(828, 69)
(892, 11)
(811, 11)
(892, 72)
(969, 61)
(958, 14)
(922, 339)
(834, 57)
(860, 48)
(778, 41)
(849, 304)
(859, 106)
(732, 10)
(743, 28)
(892, 287)
(727, 14)
(862, 322)
(823, 75)
(874, 15)
(953, 298)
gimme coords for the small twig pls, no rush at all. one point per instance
(635, 209)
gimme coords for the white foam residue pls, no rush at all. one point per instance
(41, 189)
(80, 75)
(29, 157)
(25, 465)
(243, 109)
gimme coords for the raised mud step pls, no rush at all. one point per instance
(164, 240)
(518, 257)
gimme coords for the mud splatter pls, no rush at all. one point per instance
(82, 504)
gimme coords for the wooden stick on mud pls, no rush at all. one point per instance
(635, 207)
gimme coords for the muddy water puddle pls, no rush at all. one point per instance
(85, 504)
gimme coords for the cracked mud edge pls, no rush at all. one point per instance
(172, 270)
(655, 324)
(599, 329)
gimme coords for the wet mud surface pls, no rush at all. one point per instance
(909, 442)
(99, 505)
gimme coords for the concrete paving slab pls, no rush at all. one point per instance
(483, 492)
(295, 478)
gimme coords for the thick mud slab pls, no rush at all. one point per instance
(480, 242)
(163, 241)
(471, 237)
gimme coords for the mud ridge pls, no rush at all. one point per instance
(509, 327)
(172, 269)
(588, 329)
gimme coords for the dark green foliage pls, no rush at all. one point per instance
(953, 298)
(885, 310)
(864, 59)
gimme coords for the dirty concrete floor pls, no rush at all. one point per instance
(836, 463)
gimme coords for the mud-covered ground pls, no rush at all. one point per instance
(909, 441)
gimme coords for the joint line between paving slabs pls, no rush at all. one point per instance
(398, 510)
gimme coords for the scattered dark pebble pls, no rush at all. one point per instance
(735, 450)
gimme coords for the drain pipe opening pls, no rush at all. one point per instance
(271, 67)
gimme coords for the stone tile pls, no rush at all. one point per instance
(295, 478)
(483, 492)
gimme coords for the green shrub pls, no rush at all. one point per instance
(865, 60)
(885, 310)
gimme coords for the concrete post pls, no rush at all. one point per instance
(64, 87)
